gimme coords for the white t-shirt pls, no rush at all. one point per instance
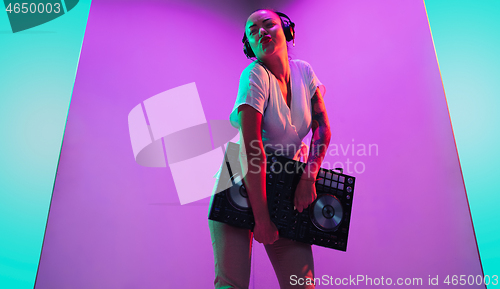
(283, 128)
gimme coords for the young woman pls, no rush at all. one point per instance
(278, 102)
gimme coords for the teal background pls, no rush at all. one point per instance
(467, 42)
(37, 73)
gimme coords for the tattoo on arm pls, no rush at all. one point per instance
(321, 131)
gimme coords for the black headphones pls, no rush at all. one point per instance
(288, 30)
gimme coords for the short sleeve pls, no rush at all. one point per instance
(313, 80)
(253, 90)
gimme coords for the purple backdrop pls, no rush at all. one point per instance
(116, 224)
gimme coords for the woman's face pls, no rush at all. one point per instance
(265, 34)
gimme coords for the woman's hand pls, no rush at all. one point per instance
(305, 194)
(265, 232)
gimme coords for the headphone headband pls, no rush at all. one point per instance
(288, 29)
(287, 22)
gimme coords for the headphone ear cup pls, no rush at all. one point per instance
(288, 31)
(288, 26)
(248, 50)
(246, 47)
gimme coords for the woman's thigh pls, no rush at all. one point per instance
(292, 260)
(232, 255)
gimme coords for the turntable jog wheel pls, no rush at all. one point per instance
(237, 194)
(326, 213)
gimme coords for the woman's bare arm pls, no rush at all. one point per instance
(321, 134)
(255, 179)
